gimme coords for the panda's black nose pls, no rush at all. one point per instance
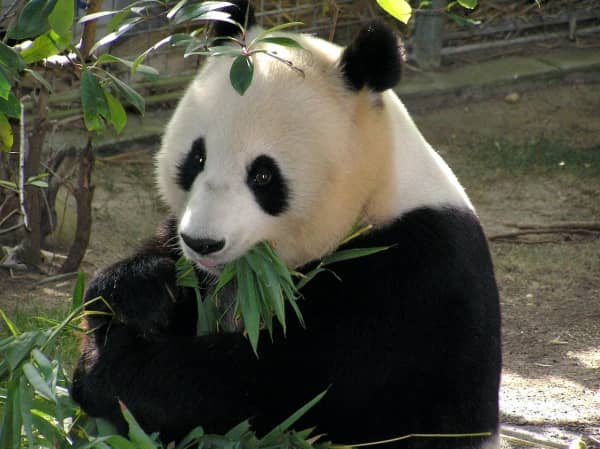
(203, 246)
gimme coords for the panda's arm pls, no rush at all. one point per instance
(140, 291)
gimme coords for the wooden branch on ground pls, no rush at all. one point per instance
(581, 228)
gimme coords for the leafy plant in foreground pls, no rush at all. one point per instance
(263, 285)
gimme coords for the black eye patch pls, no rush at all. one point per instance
(268, 185)
(192, 165)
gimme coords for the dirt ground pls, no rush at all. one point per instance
(550, 287)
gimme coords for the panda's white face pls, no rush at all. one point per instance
(271, 165)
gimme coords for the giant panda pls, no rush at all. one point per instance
(407, 341)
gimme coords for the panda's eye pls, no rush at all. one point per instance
(192, 165)
(262, 177)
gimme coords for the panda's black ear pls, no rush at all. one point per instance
(373, 59)
(240, 11)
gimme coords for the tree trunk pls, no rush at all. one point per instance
(31, 196)
(83, 193)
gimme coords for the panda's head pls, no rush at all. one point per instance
(295, 161)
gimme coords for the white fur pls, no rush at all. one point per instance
(345, 159)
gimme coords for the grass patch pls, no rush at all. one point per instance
(500, 158)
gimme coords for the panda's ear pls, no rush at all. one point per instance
(373, 59)
(240, 11)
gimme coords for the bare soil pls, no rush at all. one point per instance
(550, 286)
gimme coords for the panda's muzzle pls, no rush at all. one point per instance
(203, 247)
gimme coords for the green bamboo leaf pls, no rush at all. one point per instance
(11, 107)
(21, 346)
(348, 254)
(118, 116)
(128, 93)
(9, 185)
(284, 41)
(194, 436)
(136, 433)
(45, 366)
(399, 9)
(238, 432)
(93, 102)
(78, 291)
(271, 437)
(469, 4)
(9, 324)
(61, 17)
(25, 400)
(185, 273)
(38, 382)
(46, 45)
(33, 19)
(248, 302)
(6, 139)
(10, 428)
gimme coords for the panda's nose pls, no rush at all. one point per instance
(203, 246)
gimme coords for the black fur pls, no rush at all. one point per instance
(192, 165)
(272, 196)
(373, 59)
(409, 341)
(242, 12)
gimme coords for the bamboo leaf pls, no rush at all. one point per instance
(269, 438)
(25, 400)
(468, 4)
(11, 326)
(399, 9)
(78, 290)
(248, 301)
(4, 86)
(193, 436)
(38, 382)
(348, 254)
(136, 433)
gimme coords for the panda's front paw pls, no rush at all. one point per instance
(141, 292)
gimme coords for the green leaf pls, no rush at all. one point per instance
(111, 37)
(9, 184)
(274, 29)
(4, 86)
(129, 93)
(9, 324)
(38, 183)
(144, 69)
(78, 291)
(40, 79)
(10, 59)
(117, 114)
(347, 254)
(38, 382)
(399, 9)
(6, 136)
(46, 45)
(271, 437)
(186, 275)
(136, 433)
(26, 399)
(11, 107)
(181, 13)
(61, 17)
(93, 102)
(284, 41)
(248, 301)
(241, 73)
(469, 4)
(97, 15)
(33, 19)
(10, 427)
